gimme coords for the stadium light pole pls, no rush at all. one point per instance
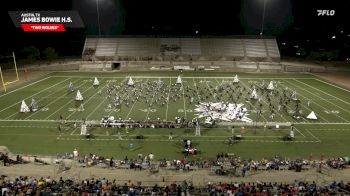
(263, 18)
(98, 18)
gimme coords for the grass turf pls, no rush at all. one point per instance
(37, 133)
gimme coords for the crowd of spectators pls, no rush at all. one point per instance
(24, 185)
(223, 162)
(270, 188)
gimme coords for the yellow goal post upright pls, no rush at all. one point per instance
(2, 79)
(5, 83)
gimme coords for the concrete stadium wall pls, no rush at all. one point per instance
(238, 66)
(95, 67)
(70, 66)
(302, 67)
(193, 65)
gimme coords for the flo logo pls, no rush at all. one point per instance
(325, 12)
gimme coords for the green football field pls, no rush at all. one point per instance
(38, 133)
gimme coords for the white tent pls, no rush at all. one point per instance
(79, 97)
(254, 95)
(33, 105)
(96, 82)
(178, 80)
(24, 107)
(235, 79)
(312, 116)
(130, 82)
(270, 86)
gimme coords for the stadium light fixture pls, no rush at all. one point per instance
(263, 18)
(98, 18)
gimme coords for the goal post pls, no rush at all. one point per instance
(14, 62)
(7, 77)
(2, 79)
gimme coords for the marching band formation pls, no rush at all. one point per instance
(222, 101)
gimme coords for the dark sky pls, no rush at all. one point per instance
(293, 19)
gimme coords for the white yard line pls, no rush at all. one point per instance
(317, 103)
(149, 107)
(211, 92)
(199, 140)
(183, 97)
(72, 133)
(31, 120)
(305, 120)
(332, 85)
(313, 135)
(41, 120)
(205, 136)
(98, 106)
(31, 96)
(133, 105)
(38, 100)
(325, 129)
(255, 107)
(195, 85)
(300, 132)
(167, 77)
(307, 99)
(266, 104)
(323, 123)
(323, 92)
(121, 83)
(27, 126)
(17, 89)
(168, 100)
(67, 102)
(86, 101)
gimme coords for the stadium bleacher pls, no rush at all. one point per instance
(207, 48)
(255, 48)
(272, 48)
(136, 47)
(191, 47)
(106, 47)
